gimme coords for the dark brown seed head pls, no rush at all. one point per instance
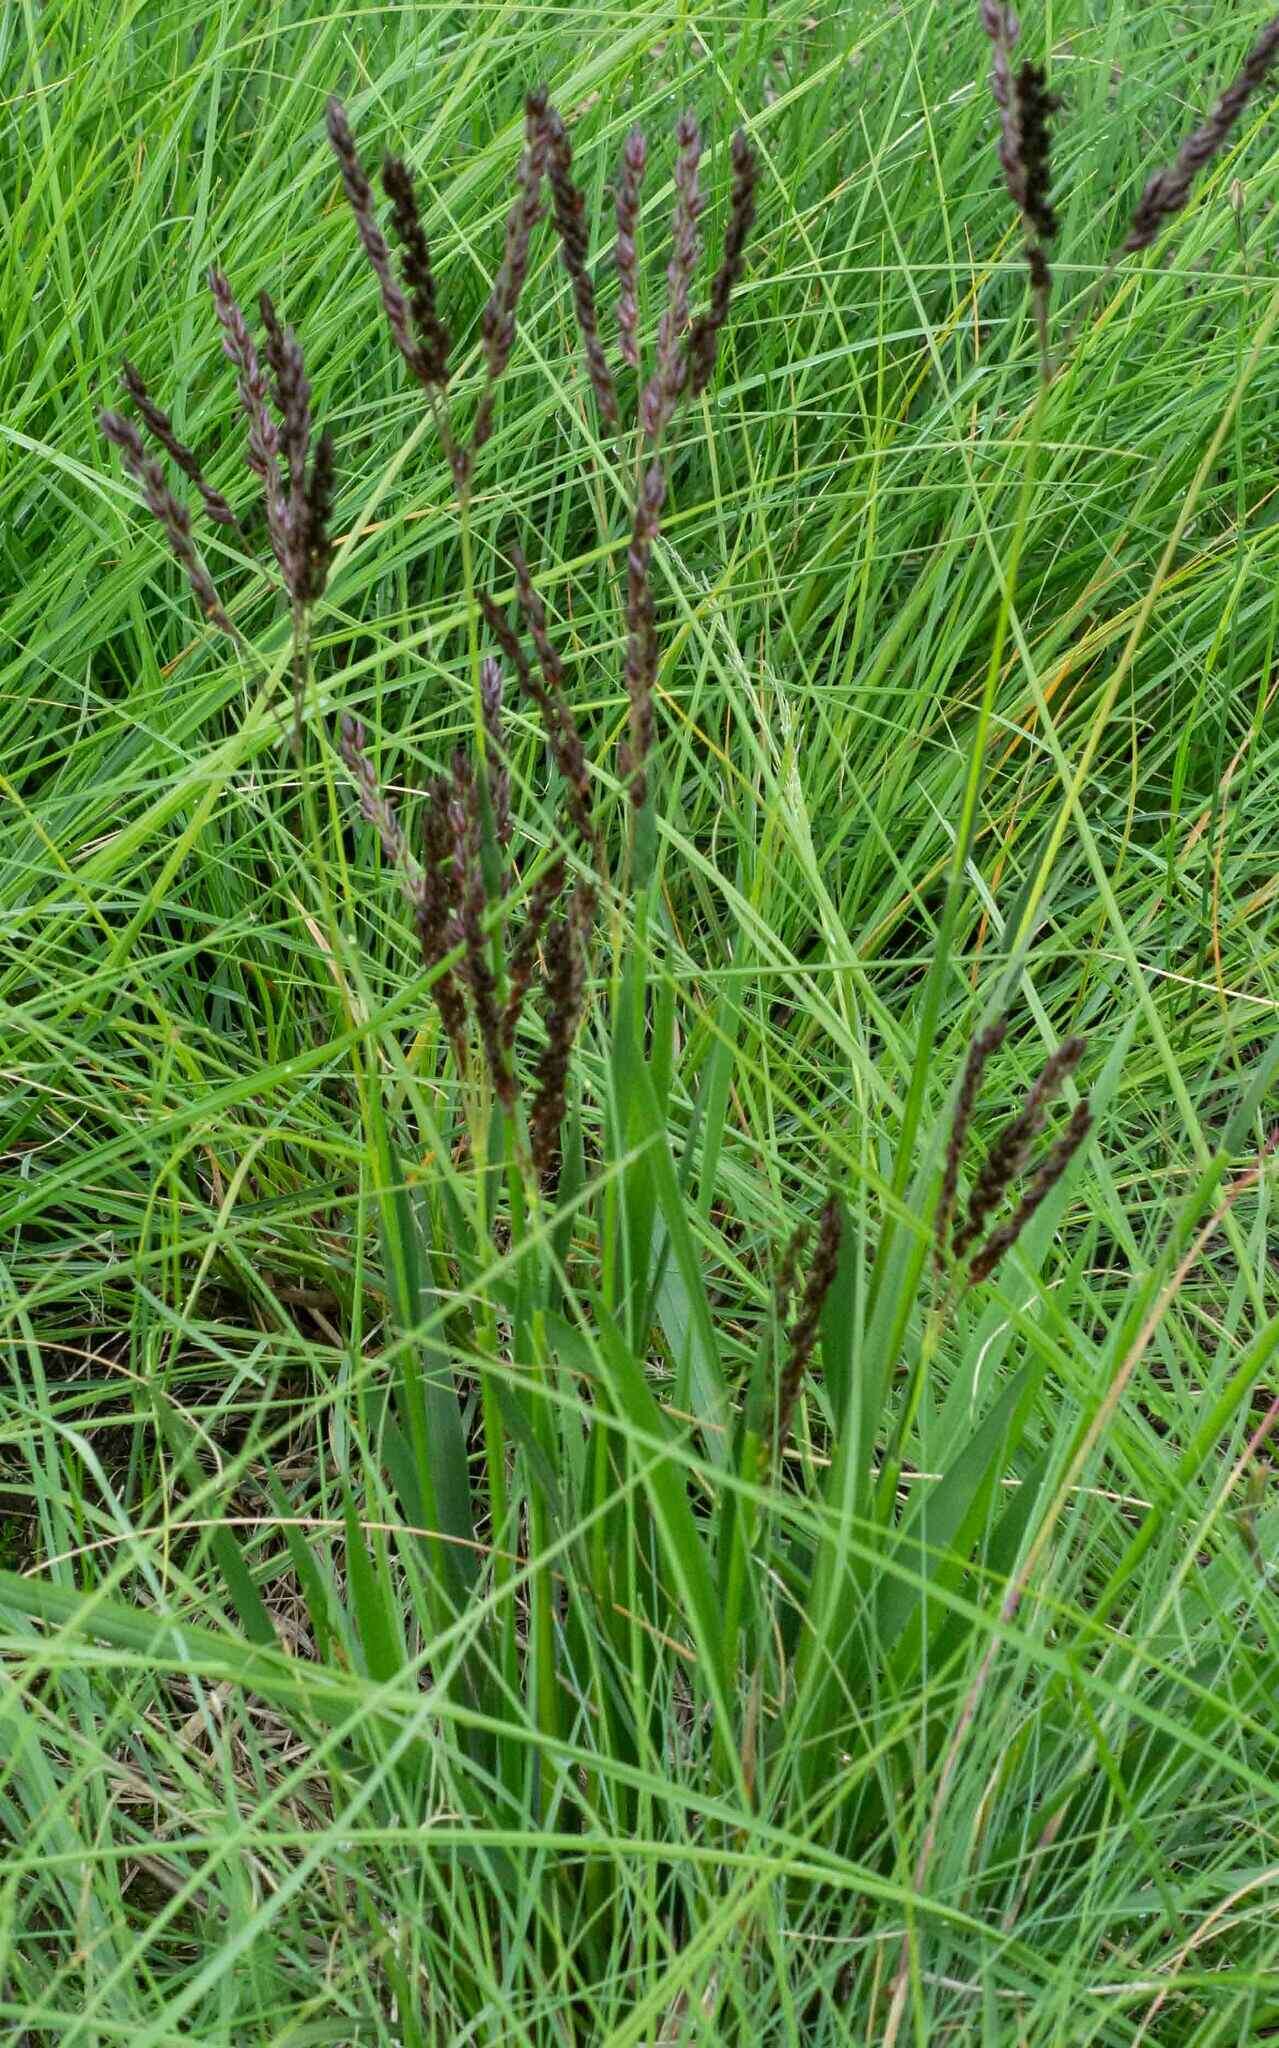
(498, 322)
(273, 345)
(546, 688)
(417, 271)
(375, 805)
(1003, 29)
(569, 208)
(170, 514)
(359, 195)
(704, 340)
(542, 898)
(1168, 190)
(1036, 106)
(625, 254)
(666, 386)
(1025, 108)
(429, 888)
(1002, 26)
(162, 429)
(318, 511)
(1037, 264)
(263, 449)
(292, 390)
(563, 1000)
(467, 927)
(434, 910)
(1008, 1155)
(983, 1045)
(291, 395)
(1055, 1163)
(803, 1335)
(293, 403)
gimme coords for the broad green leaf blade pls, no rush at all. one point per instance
(432, 1419)
(682, 1545)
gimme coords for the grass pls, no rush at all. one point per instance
(959, 1723)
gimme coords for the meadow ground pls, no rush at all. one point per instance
(417, 1625)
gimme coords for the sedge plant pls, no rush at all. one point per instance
(644, 1570)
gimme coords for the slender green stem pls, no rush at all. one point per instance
(940, 962)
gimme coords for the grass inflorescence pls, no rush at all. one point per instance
(636, 1288)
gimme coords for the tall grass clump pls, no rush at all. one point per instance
(671, 1440)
